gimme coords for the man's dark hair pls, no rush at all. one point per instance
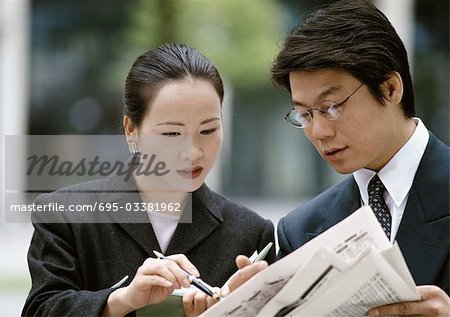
(349, 35)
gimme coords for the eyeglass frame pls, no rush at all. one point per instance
(323, 113)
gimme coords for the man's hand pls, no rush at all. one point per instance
(434, 302)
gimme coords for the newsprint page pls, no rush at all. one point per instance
(343, 272)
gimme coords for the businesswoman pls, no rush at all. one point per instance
(172, 93)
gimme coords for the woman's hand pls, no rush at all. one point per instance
(196, 303)
(154, 281)
(245, 272)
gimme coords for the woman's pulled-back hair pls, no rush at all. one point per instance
(159, 66)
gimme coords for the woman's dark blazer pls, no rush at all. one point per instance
(73, 265)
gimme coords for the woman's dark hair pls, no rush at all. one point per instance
(158, 66)
(350, 35)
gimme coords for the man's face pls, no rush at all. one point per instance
(364, 133)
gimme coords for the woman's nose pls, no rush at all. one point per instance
(192, 151)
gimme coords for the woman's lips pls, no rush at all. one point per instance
(191, 173)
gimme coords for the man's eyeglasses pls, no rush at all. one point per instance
(327, 108)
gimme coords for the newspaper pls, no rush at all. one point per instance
(345, 271)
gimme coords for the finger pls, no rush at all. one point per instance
(431, 291)
(184, 263)
(145, 281)
(392, 309)
(210, 300)
(404, 309)
(433, 301)
(245, 274)
(200, 302)
(242, 261)
(162, 268)
(180, 275)
(188, 303)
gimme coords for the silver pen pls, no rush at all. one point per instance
(197, 282)
(119, 283)
(261, 255)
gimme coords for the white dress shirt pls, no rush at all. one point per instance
(397, 175)
(164, 227)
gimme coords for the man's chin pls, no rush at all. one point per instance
(343, 169)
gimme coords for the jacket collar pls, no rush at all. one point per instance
(205, 217)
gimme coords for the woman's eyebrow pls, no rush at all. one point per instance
(171, 123)
(182, 124)
(210, 120)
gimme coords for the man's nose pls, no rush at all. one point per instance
(321, 127)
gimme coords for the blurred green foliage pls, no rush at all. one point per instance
(238, 36)
(81, 52)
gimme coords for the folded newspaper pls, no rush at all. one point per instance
(343, 272)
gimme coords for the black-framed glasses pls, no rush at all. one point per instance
(327, 108)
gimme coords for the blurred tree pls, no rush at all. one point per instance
(70, 49)
(238, 36)
(82, 50)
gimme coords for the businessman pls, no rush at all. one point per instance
(347, 72)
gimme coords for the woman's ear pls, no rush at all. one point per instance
(128, 126)
(392, 89)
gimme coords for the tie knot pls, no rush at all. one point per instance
(376, 186)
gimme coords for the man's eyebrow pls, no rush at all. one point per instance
(323, 94)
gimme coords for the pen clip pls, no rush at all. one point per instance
(193, 280)
(261, 255)
(119, 283)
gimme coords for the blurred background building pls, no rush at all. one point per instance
(63, 65)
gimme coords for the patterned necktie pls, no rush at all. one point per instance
(376, 201)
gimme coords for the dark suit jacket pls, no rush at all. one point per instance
(423, 235)
(73, 265)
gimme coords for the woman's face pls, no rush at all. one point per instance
(183, 128)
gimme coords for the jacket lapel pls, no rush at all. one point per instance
(206, 217)
(423, 234)
(345, 201)
(415, 241)
(135, 223)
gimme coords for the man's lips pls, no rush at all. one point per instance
(191, 172)
(333, 153)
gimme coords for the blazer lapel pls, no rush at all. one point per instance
(206, 217)
(345, 201)
(415, 242)
(135, 223)
(423, 234)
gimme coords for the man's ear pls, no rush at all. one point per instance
(128, 126)
(392, 89)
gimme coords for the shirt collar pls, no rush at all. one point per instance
(398, 174)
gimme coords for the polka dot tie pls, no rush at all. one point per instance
(376, 201)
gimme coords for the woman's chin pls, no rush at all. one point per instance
(187, 186)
